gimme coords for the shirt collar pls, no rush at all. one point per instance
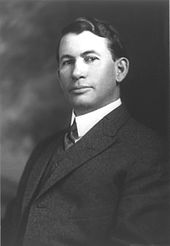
(86, 121)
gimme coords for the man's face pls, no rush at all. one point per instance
(87, 71)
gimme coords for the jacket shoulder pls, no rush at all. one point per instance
(139, 134)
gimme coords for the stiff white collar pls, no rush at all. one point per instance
(86, 121)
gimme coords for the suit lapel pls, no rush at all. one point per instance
(38, 169)
(93, 143)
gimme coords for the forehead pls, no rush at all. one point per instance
(85, 41)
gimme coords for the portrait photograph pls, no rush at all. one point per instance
(102, 66)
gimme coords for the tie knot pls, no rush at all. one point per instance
(71, 136)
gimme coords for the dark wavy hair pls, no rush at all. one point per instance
(101, 28)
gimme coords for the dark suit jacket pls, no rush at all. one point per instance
(108, 189)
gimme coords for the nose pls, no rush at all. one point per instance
(79, 70)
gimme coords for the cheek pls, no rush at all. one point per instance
(110, 70)
(62, 84)
(105, 73)
(64, 79)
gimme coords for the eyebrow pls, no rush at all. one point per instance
(66, 56)
(89, 52)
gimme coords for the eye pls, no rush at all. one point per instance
(67, 62)
(90, 59)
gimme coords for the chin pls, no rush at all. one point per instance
(82, 107)
(80, 102)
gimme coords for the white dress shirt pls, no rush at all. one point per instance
(86, 121)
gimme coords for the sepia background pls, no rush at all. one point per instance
(32, 103)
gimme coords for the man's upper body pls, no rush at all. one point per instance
(110, 187)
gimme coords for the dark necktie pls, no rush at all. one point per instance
(71, 136)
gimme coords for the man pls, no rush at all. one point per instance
(102, 182)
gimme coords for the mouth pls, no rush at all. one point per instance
(79, 89)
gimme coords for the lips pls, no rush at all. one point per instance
(80, 89)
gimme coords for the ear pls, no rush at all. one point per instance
(58, 72)
(59, 78)
(121, 68)
(58, 75)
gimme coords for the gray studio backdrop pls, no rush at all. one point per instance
(32, 102)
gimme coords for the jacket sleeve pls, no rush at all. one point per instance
(143, 210)
(11, 220)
